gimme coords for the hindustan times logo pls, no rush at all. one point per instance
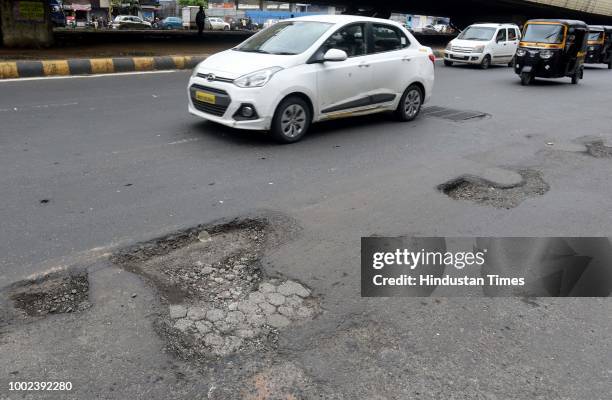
(415, 259)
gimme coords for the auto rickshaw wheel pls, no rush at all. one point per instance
(610, 64)
(526, 78)
(576, 78)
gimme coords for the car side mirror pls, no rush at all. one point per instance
(335, 55)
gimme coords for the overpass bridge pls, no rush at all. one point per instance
(26, 23)
(464, 12)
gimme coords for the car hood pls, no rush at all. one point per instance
(233, 64)
(467, 43)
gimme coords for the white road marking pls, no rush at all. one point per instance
(37, 78)
(38, 107)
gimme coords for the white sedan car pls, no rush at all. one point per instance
(311, 69)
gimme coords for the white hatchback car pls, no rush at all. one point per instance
(311, 69)
(484, 44)
(217, 24)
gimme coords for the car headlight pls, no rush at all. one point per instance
(478, 49)
(546, 54)
(521, 52)
(257, 78)
(449, 46)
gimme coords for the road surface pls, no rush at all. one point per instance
(90, 165)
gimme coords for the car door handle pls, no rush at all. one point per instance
(364, 65)
(407, 59)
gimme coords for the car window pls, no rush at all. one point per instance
(388, 38)
(511, 34)
(351, 39)
(286, 38)
(501, 35)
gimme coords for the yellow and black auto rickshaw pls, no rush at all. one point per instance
(551, 48)
(599, 45)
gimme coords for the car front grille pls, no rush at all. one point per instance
(214, 78)
(223, 100)
(459, 49)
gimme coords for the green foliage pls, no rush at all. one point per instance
(184, 3)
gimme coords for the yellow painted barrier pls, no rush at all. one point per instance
(8, 70)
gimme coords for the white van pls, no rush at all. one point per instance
(484, 44)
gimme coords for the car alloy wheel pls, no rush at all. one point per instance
(410, 103)
(291, 120)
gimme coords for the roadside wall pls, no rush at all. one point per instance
(25, 23)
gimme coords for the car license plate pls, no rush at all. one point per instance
(459, 57)
(205, 97)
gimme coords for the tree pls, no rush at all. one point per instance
(184, 3)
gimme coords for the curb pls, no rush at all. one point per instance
(89, 66)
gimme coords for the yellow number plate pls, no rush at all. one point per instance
(206, 97)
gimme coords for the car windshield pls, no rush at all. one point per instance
(286, 38)
(477, 33)
(595, 35)
(544, 33)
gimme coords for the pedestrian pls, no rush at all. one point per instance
(200, 20)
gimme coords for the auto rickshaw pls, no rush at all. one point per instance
(599, 45)
(551, 48)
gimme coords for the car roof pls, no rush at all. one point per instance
(495, 25)
(341, 19)
(569, 22)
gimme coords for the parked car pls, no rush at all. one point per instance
(170, 23)
(484, 44)
(130, 22)
(315, 68)
(216, 24)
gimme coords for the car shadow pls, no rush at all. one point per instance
(477, 67)
(596, 67)
(252, 138)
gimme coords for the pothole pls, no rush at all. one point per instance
(484, 192)
(54, 294)
(218, 300)
(598, 149)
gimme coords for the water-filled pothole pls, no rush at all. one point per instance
(218, 299)
(484, 192)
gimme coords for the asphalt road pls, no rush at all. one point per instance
(93, 164)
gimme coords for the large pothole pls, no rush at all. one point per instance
(484, 192)
(53, 294)
(218, 299)
(598, 149)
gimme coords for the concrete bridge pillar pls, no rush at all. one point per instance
(25, 23)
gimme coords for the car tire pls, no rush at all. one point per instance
(448, 63)
(225, 28)
(576, 77)
(486, 62)
(291, 120)
(526, 79)
(410, 103)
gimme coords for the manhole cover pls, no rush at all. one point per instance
(452, 114)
